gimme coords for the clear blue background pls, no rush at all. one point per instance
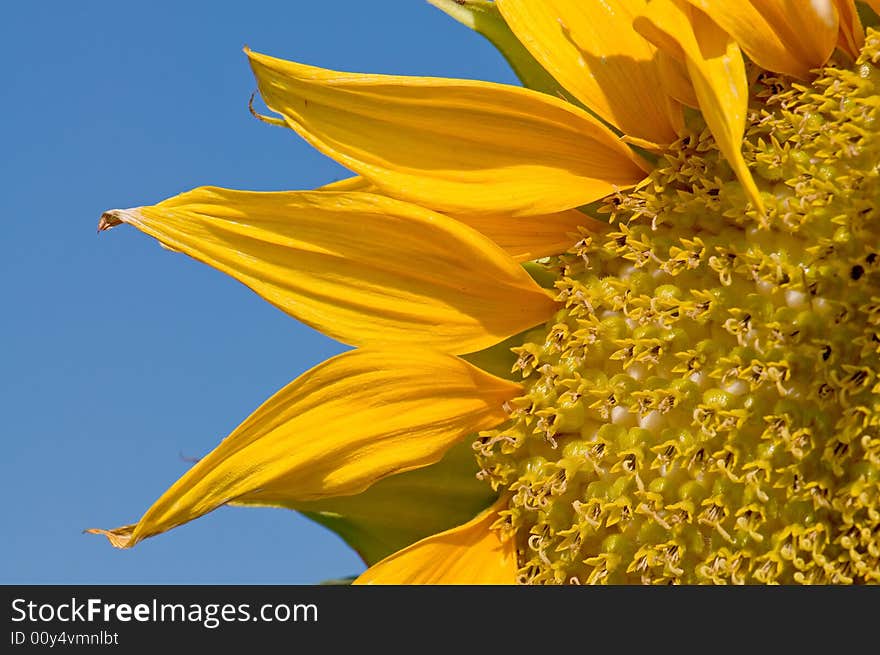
(119, 358)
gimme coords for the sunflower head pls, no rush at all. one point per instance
(621, 326)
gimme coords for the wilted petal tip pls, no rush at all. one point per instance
(108, 219)
(118, 538)
(114, 217)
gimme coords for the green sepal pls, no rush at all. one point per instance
(498, 359)
(339, 581)
(541, 274)
(483, 17)
(401, 509)
(866, 15)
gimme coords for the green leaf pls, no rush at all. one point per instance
(401, 509)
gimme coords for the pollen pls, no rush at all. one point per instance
(705, 407)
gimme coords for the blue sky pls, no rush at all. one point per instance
(120, 359)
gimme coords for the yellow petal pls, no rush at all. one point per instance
(340, 427)
(675, 79)
(590, 47)
(524, 238)
(785, 36)
(716, 70)
(531, 237)
(456, 146)
(472, 553)
(362, 268)
(852, 35)
(484, 18)
(401, 509)
(353, 183)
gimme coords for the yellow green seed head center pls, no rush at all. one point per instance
(706, 407)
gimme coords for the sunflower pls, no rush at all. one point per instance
(619, 325)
